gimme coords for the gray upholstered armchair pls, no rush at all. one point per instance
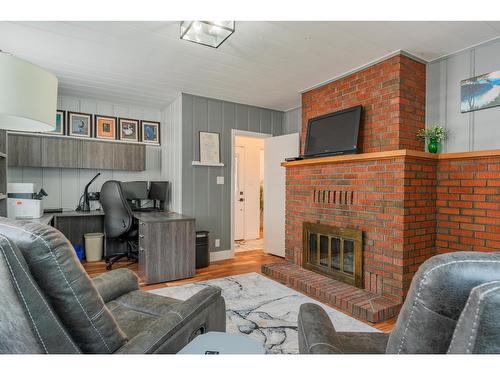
(49, 304)
(453, 306)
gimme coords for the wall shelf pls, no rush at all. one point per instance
(202, 164)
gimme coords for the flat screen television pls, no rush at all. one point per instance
(333, 134)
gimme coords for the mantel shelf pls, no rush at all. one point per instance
(391, 154)
(203, 164)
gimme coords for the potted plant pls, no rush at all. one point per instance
(434, 135)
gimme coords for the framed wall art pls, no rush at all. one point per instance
(209, 147)
(105, 127)
(150, 132)
(480, 92)
(128, 130)
(79, 124)
(60, 124)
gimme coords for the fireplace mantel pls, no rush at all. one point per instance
(392, 154)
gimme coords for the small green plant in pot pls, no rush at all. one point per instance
(435, 135)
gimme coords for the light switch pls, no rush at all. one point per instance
(217, 242)
(220, 180)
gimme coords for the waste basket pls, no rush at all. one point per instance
(93, 246)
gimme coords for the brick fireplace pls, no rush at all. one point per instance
(408, 205)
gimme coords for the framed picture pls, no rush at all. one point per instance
(209, 147)
(105, 127)
(128, 130)
(79, 124)
(150, 132)
(480, 92)
(60, 124)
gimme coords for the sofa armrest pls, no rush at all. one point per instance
(203, 312)
(116, 283)
(316, 332)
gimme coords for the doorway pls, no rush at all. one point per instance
(247, 190)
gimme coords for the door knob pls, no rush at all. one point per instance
(241, 199)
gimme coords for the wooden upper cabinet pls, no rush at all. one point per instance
(129, 157)
(64, 152)
(97, 155)
(24, 150)
(61, 153)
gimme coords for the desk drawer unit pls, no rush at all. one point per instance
(166, 250)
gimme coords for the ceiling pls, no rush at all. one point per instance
(265, 64)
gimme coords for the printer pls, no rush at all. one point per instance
(23, 202)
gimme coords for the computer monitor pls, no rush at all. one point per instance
(135, 190)
(159, 192)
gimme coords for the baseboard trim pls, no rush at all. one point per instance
(221, 255)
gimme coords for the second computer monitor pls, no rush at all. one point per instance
(135, 190)
(158, 191)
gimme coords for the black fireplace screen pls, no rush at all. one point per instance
(335, 252)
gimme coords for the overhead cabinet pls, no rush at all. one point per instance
(24, 151)
(64, 152)
(97, 155)
(61, 153)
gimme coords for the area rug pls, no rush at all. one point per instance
(264, 310)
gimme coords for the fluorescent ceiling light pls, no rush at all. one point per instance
(28, 96)
(208, 33)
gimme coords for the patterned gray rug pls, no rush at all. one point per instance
(264, 310)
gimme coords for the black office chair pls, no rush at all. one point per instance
(119, 224)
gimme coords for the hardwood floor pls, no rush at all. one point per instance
(243, 262)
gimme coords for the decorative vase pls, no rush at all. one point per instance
(433, 146)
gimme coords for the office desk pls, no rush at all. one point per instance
(166, 246)
(74, 224)
(166, 240)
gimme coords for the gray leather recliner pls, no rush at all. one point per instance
(453, 306)
(49, 304)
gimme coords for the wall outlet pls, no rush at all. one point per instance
(220, 180)
(217, 242)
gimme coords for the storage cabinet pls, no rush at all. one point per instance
(60, 152)
(26, 150)
(97, 155)
(129, 157)
(166, 247)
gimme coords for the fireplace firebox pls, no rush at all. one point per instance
(334, 252)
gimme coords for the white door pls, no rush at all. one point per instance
(276, 149)
(239, 193)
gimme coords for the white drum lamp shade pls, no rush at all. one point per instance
(28, 96)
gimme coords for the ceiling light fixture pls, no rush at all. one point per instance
(208, 33)
(28, 96)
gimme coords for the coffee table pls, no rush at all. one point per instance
(222, 343)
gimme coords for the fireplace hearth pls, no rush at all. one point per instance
(334, 252)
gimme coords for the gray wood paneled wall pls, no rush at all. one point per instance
(473, 131)
(202, 198)
(293, 120)
(65, 186)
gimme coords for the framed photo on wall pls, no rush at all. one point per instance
(105, 127)
(128, 130)
(79, 124)
(150, 132)
(60, 124)
(209, 147)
